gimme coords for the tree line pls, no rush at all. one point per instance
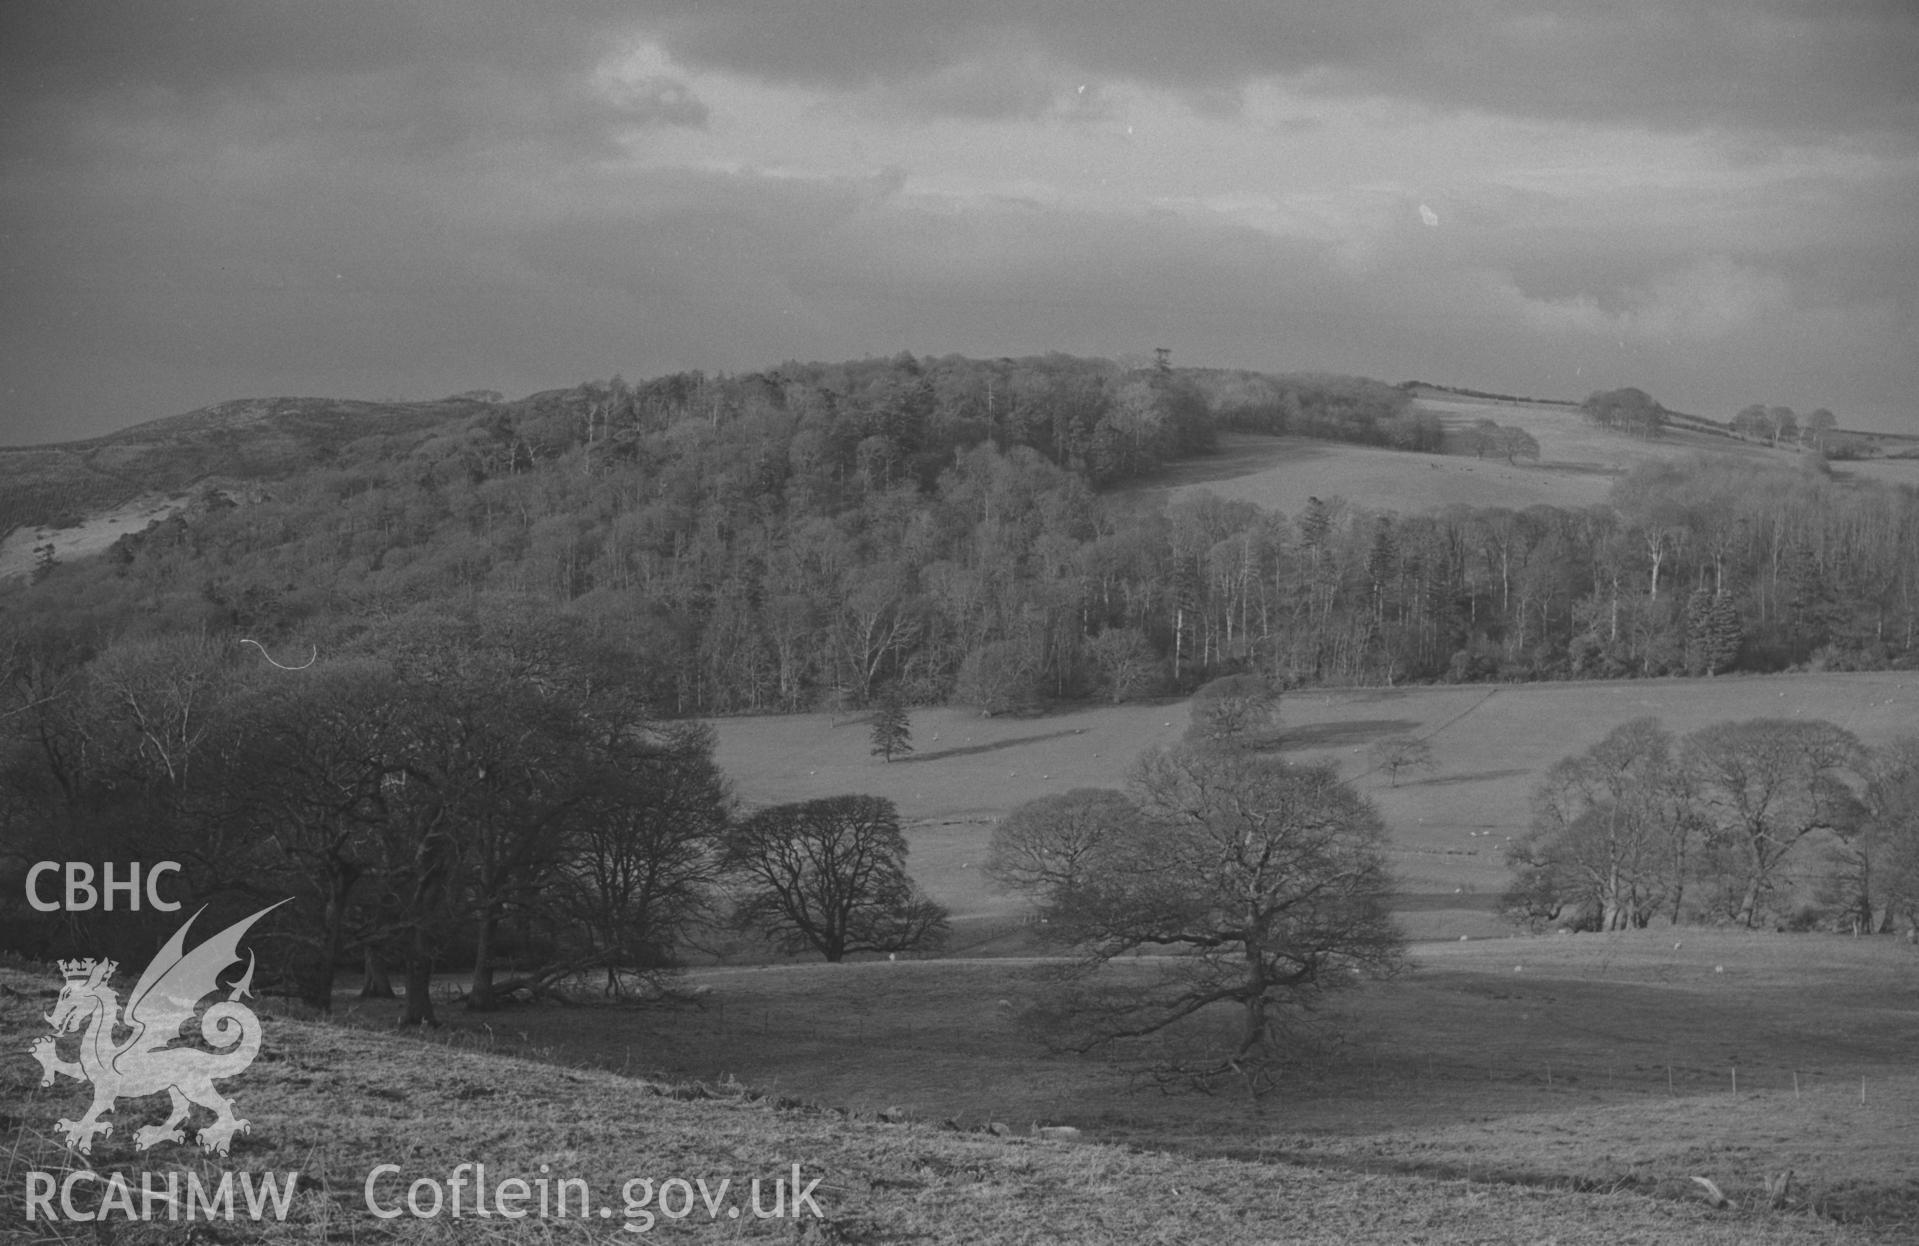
(1635, 411)
(487, 791)
(1775, 425)
(1714, 826)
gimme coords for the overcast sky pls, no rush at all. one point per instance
(1715, 201)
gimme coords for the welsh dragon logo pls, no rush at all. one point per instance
(163, 1001)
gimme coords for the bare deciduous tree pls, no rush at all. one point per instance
(1764, 785)
(1401, 752)
(830, 875)
(644, 867)
(1125, 661)
(1048, 845)
(1876, 862)
(1234, 712)
(1610, 836)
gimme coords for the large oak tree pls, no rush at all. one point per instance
(1254, 885)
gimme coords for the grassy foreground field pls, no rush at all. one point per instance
(1633, 1061)
(333, 1103)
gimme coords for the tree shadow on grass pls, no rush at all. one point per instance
(1358, 731)
(993, 746)
(1367, 696)
(1239, 455)
(1471, 777)
(1439, 902)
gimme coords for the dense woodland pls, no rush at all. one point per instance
(965, 530)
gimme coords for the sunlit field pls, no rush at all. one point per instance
(1449, 825)
(1577, 465)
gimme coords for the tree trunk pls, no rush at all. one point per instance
(319, 991)
(1749, 904)
(339, 883)
(1616, 908)
(419, 983)
(480, 996)
(1253, 1037)
(378, 983)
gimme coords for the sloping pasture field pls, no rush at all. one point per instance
(90, 536)
(1577, 464)
(1903, 470)
(1280, 473)
(1449, 826)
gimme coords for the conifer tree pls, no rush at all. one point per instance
(892, 728)
(1723, 634)
(1713, 632)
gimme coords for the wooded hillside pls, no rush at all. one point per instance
(961, 529)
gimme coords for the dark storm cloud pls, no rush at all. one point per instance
(425, 78)
(1783, 65)
(1808, 66)
(189, 47)
(201, 201)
